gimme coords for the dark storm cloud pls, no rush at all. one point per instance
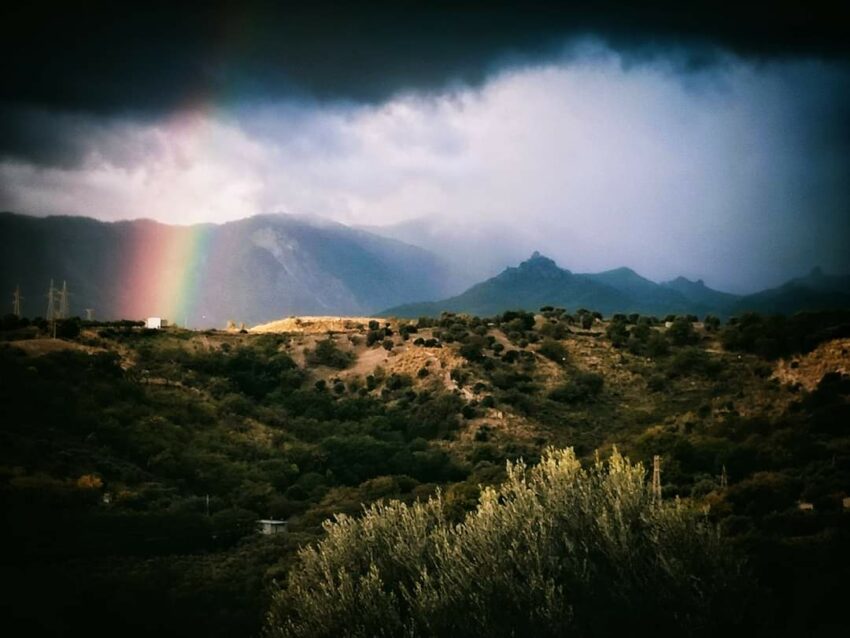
(107, 56)
(138, 61)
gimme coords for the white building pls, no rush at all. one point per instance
(271, 526)
(155, 323)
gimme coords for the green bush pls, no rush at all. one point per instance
(657, 345)
(693, 361)
(328, 354)
(681, 332)
(554, 350)
(556, 550)
(583, 386)
(617, 331)
(473, 349)
(778, 336)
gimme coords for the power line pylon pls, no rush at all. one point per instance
(16, 302)
(52, 310)
(51, 305)
(656, 478)
(89, 314)
(63, 301)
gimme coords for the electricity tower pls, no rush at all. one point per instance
(16, 302)
(51, 302)
(52, 310)
(89, 314)
(656, 478)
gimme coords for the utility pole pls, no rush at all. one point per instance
(724, 479)
(656, 478)
(16, 302)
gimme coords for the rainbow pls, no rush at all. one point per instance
(163, 271)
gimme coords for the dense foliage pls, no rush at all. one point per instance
(555, 550)
(779, 336)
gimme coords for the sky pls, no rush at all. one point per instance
(705, 143)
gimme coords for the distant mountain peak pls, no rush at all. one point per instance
(536, 256)
(684, 281)
(540, 264)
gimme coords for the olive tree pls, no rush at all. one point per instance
(558, 549)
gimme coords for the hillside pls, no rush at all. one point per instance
(251, 270)
(155, 452)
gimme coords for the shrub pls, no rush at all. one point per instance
(328, 354)
(681, 333)
(517, 320)
(473, 349)
(374, 336)
(398, 381)
(773, 337)
(554, 329)
(692, 360)
(511, 356)
(581, 387)
(711, 323)
(657, 382)
(553, 350)
(556, 550)
(657, 345)
(617, 331)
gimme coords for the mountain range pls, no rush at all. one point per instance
(251, 270)
(539, 281)
(269, 266)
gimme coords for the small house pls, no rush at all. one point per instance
(269, 527)
(155, 323)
